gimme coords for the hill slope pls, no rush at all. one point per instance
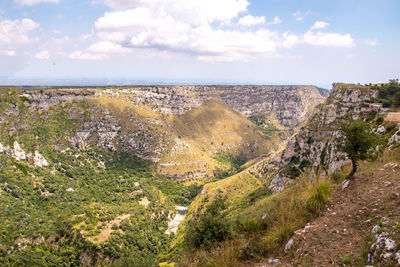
(84, 172)
(343, 232)
(182, 128)
(266, 202)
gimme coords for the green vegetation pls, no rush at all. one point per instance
(317, 195)
(389, 94)
(358, 141)
(209, 227)
(345, 260)
(232, 165)
(267, 128)
(264, 225)
(84, 208)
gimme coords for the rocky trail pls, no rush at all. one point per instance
(343, 233)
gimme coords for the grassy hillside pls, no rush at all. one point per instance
(261, 222)
(210, 129)
(77, 186)
(262, 228)
(87, 206)
(191, 141)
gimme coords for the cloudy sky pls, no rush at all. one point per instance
(200, 41)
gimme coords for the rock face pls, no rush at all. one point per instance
(177, 126)
(39, 160)
(17, 152)
(383, 250)
(20, 155)
(290, 104)
(315, 144)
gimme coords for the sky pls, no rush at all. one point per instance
(199, 41)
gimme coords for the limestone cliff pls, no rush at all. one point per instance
(315, 144)
(182, 127)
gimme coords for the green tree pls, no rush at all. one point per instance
(397, 99)
(209, 227)
(358, 141)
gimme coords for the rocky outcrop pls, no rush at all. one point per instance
(290, 104)
(383, 251)
(315, 144)
(39, 160)
(148, 121)
(17, 153)
(20, 155)
(44, 99)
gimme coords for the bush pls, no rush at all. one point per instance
(211, 226)
(317, 195)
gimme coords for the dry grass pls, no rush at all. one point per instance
(210, 128)
(274, 219)
(194, 137)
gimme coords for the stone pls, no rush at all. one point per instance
(390, 165)
(394, 139)
(39, 160)
(387, 255)
(70, 190)
(375, 229)
(2, 148)
(397, 257)
(289, 245)
(381, 130)
(18, 153)
(390, 245)
(345, 184)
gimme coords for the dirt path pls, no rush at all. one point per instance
(339, 235)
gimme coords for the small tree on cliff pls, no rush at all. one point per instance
(358, 142)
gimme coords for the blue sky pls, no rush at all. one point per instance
(199, 41)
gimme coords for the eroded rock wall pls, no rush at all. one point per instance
(315, 144)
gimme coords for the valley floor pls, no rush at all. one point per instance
(341, 235)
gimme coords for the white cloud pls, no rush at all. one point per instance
(371, 42)
(328, 39)
(298, 16)
(199, 28)
(275, 21)
(8, 53)
(189, 11)
(107, 47)
(290, 40)
(141, 28)
(87, 56)
(250, 20)
(43, 55)
(319, 25)
(14, 32)
(85, 37)
(33, 2)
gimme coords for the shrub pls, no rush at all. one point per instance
(211, 226)
(317, 195)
